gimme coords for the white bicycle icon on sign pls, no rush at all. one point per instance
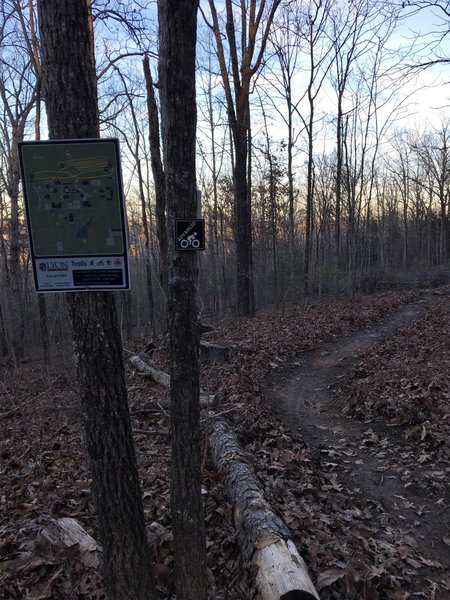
(190, 241)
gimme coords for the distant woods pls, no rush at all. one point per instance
(314, 179)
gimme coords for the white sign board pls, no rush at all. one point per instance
(75, 214)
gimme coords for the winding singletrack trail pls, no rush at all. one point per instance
(368, 456)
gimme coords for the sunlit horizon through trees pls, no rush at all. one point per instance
(344, 153)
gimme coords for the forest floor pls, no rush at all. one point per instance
(344, 411)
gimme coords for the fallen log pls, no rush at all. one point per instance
(155, 374)
(213, 353)
(158, 376)
(67, 533)
(263, 537)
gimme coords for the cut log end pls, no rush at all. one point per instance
(264, 539)
(282, 573)
(298, 595)
(68, 533)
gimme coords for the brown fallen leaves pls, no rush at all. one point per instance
(405, 381)
(351, 549)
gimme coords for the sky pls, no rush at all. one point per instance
(431, 87)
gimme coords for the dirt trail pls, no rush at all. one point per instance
(367, 455)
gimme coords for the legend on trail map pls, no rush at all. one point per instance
(75, 214)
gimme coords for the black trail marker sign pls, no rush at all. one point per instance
(190, 235)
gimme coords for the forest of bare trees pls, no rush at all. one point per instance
(318, 171)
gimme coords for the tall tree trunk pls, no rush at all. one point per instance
(158, 175)
(3, 338)
(217, 266)
(15, 292)
(242, 232)
(30, 35)
(237, 92)
(148, 258)
(177, 42)
(42, 306)
(243, 211)
(309, 200)
(272, 208)
(291, 195)
(339, 177)
(71, 100)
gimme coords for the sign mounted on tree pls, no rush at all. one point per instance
(75, 214)
(190, 235)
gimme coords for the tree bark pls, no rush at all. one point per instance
(71, 101)
(67, 533)
(158, 175)
(238, 108)
(263, 537)
(177, 43)
(17, 116)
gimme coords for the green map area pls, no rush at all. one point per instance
(73, 198)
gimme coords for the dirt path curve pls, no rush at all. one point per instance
(367, 455)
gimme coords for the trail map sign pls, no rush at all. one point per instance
(75, 214)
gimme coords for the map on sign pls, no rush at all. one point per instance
(73, 198)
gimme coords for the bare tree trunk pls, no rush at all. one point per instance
(216, 255)
(148, 263)
(339, 177)
(237, 92)
(285, 39)
(29, 34)
(177, 42)
(3, 337)
(134, 146)
(309, 200)
(272, 208)
(319, 65)
(158, 175)
(15, 300)
(42, 306)
(243, 213)
(71, 101)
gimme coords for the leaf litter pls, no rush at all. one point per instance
(351, 547)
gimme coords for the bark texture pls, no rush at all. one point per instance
(67, 533)
(70, 96)
(107, 427)
(177, 42)
(158, 174)
(263, 537)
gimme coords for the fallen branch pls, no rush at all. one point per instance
(155, 374)
(23, 404)
(59, 408)
(164, 379)
(152, 407)
(263, 537)
(214, 353)
(150, 432)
